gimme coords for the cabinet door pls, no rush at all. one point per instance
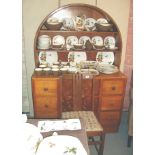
(46, 97)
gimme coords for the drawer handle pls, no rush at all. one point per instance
(46, 106)
(45, 89)
(113, 88)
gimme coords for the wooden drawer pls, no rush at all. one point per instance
(111, 102)
(45, 87)
(109, 116)
(110, 121)
(46, 107)
(112, 86)
(110, 128)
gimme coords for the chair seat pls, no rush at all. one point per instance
(91, 122)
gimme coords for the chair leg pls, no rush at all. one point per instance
(101, 148)
(129, 141)
(99, 145)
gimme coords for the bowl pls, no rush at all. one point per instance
(47, 69)
(55, 66)
(64, 70)
(42, 66)
(53, 25)
(78, 46)
(58, 46)
(38, 69)
(98, 47)
(103, 26)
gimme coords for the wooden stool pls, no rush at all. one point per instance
(93, 128)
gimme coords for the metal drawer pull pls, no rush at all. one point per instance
(113, 88)
(46, 106)
(45, 89)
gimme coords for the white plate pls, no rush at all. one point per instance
(97, 40)
(48, 57)
(77, 56)
(70, 41)
(68, 24)
(105, 57)
(59, 144)
(83, 39)
(109, 42)
(58, 40)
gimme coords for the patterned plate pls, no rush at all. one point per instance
(90, 24)
(68, 24)
(48, 57)
(70, 41)
(77, 56)
(83, 39)
(109, 42)
(58, 40)
(97, 40)
(105, 57)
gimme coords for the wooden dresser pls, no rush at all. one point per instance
(103, 93)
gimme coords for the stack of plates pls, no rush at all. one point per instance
(44, 42)
(107, 69)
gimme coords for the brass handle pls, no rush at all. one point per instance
(113, 88)
(45, 89)
(46, 106)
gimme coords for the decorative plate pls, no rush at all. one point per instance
(109, 42)
(105, 57)
(48, 57)
(68, 24)
(70, 41)
(58, 40)
(83, 39)
(90, 24)
(102, 21)
(77, 56)
(97, 40)
(61, 145)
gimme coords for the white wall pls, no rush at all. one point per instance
(34, 11)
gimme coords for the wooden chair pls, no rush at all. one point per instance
(95, 132)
